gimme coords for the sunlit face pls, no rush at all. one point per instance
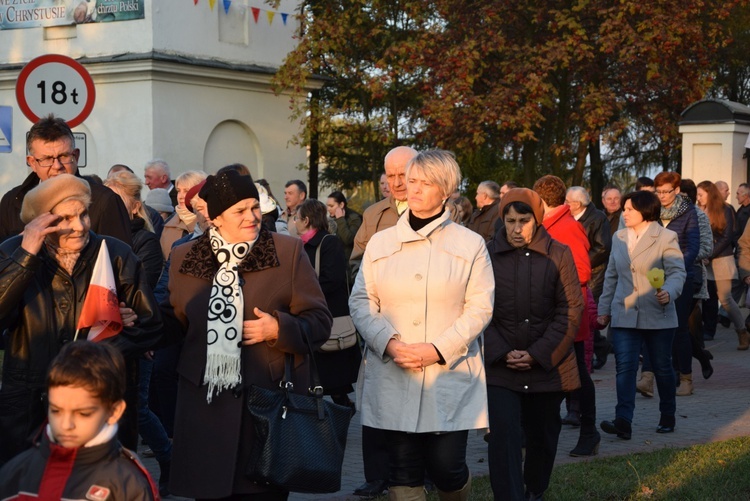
(155, 178)
(611, 200)
(199, 205)
(503, 190)
(293, 196)
(302, 224)
(481, 198)
(76, 415)
(742, 196)
(667, 194)
(519, 228)
(74, 225)
(425, 197)
(701, 197)
(64, 153)
(385, 191)
(648, 188)
(630, 216)
(395, 172)
(576, 207)
(182, 191)
(332, 205)
(240, 222)
(723, 189)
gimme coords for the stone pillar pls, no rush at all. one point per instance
(714, 133)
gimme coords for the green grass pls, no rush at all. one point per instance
(708, 472)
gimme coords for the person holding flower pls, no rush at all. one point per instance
(639, 312)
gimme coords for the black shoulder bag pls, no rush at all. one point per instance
(299, 439)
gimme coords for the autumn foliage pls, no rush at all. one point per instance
(524, 87)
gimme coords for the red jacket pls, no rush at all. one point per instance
(563, 227)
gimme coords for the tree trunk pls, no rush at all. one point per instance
(597, 172)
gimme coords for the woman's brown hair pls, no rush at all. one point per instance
(714, 206)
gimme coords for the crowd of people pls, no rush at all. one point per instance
(215, 285)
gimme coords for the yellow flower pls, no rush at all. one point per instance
(656, 277)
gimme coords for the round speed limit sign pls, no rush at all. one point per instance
(55, 84)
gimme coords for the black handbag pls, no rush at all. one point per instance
(299, 439)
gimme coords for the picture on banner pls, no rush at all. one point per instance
(16, 14)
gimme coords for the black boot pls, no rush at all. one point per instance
(164, 477)
(705, 360)
(573, 417)
(666, 424)
(618, 427)
(588, 442)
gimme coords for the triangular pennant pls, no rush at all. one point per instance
(195, 2)
(256, 13)
(270, 15)
(212, 4)
(227, 3)
(283, 17)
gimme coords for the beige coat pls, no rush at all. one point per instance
(628, 295)
(436, 286)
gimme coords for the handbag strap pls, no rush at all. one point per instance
(316, 389)
(317, 255)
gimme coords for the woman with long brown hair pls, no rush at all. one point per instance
(721, 269)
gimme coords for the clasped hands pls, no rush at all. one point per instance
(412, 356)
(519, 360)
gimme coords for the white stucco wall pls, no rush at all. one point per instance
(177, 26)
(714, 152)
(193, 116)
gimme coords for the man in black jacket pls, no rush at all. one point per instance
(52, 151)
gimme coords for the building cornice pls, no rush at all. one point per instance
(171, 68)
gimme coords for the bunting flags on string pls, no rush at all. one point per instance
(270, 14)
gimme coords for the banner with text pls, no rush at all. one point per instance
(15, 14)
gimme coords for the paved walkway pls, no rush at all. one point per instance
(718, 410)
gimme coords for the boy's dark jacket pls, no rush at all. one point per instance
(102, 472)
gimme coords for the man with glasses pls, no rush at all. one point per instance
(51, 147)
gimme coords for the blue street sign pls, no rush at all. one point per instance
(6, 129)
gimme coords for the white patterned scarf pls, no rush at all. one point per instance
(225, 316)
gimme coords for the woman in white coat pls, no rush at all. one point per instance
(422, 298)
(641, 314)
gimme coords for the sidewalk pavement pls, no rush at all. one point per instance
(719, 409)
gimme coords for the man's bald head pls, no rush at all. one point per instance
(395, 170)
(723, 188)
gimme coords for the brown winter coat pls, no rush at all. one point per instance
(212, 442)
(538, 306)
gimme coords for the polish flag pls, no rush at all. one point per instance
(101, 310)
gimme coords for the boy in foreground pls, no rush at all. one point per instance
(78, 455)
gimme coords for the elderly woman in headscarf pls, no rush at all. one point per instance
(528, 349)
(242, 298)
(44, 278)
